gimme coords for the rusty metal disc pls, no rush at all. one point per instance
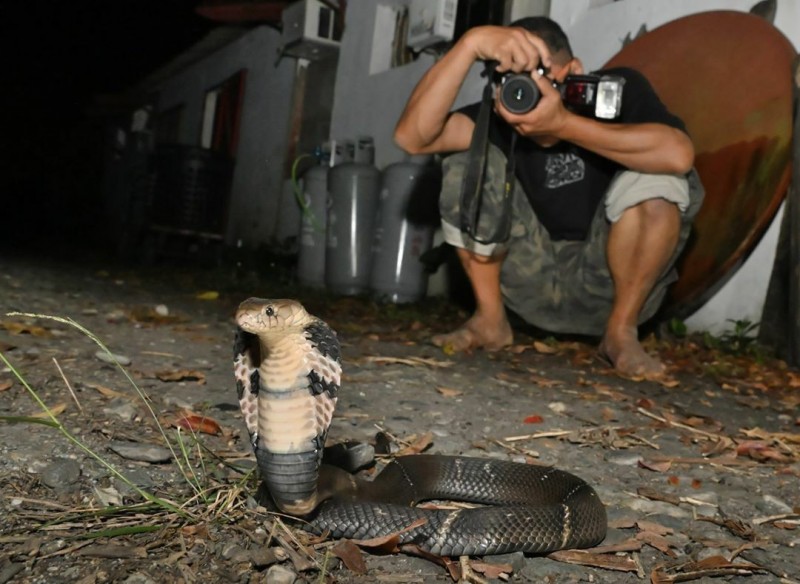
(728, 75)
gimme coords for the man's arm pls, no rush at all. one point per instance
(426, 125)
(647, 147)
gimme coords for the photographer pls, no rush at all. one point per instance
(599, 210)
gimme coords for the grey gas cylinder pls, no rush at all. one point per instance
(354, 188)
(313, 224)
(402, 235)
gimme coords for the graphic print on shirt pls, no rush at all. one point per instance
(563, 168)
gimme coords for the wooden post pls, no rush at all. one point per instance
(793, 207)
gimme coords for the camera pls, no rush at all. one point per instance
(598, 96)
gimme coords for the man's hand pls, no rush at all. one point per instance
(547, 119)
(514, 48)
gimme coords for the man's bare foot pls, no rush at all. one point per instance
(627, 355)
(477, 332)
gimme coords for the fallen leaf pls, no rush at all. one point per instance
(491, 571)
(533, 420)
(55, 410)
(200, 530)
(351, 555)
(182, 375)
(197, 423)
(544, 381)
(208, 295)
(389, 543)
(662, 466)
(654, 527)
(449, 392)
(106, 391)
(656, 541)
(544, 348)
(4, 385)
(586, 558)
(761, 451)
(418, 445)
(18, 328)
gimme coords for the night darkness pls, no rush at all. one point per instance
(60, 56)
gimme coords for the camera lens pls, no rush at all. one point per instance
(519, 93)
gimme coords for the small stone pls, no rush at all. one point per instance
(161, 310)
(61, 473)
(772, 503)
(141, 452)
(122, 408)
(234, 552)
(622, 459)
(136, 476)
(112, 358)
(139, 579)
(279, 574)
(261, 556)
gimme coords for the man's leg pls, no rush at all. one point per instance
(488, 327)
(640, 246)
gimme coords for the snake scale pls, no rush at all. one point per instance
(287, 366)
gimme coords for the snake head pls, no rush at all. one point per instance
(263, 316)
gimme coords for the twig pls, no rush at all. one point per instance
(69, 387)
(467, 575)
(663, 420)
(550, 434)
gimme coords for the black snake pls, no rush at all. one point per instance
(288, 371)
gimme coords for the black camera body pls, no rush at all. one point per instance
(598, 96)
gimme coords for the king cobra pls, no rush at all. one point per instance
(288, 371)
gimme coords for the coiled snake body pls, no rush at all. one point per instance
(288, 372)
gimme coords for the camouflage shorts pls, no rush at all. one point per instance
(563, 286)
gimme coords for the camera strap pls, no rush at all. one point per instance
(472, 186)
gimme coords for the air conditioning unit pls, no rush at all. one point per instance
(311, 30)
(431, 22)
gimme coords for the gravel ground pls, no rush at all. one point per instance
(699, 474)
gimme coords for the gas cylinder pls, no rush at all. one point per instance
(353, 188)
(313, 222)
(405, 229)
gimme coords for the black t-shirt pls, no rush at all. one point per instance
(565, 183)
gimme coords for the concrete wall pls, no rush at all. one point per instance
(260, 163)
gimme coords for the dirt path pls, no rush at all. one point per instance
(701, 477)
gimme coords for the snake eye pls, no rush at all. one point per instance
(269, 311)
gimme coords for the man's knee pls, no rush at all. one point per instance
(631, 189)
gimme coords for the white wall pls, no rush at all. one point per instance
(258, 174)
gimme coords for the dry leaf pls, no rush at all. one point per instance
(106, 391)
(544, 348)
(351, 555)
(534, 419)
(544, 381)
(182, 375)
(656, 541)
(208, 295)
(197, 423)
(662, 466)
(18, 328)
(418, 445)
(389, 543)
(492, 571)
(449, 392)
(55, 410)
(587, 558)
(654, 527)
(4, 385)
